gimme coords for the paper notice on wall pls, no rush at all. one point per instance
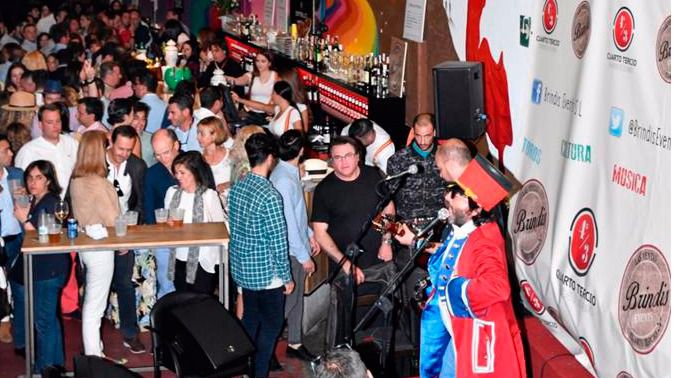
(269, 8)
(414, 20)
(282, 15)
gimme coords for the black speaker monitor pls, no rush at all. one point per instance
(459, 100)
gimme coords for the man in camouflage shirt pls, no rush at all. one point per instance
(418, 198)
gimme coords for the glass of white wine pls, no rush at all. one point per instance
(61, 211)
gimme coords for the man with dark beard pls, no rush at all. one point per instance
(470, 285)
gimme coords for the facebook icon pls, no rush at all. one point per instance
(536, 95)
(616, 121)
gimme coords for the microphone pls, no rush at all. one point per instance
(442, 216)
(412, 170)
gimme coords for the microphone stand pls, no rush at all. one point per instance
(353, 251)
(382, 302)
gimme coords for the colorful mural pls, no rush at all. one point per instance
(354, 22)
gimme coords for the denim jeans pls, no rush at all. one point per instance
(126, 293)
(48, 332)
(263, 321)
(164, 284)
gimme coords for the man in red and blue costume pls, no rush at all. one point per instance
(479, 335)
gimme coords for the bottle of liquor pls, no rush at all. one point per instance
(317, 51)
(385, 73)
(327, 132)
(374, 76)
(366, 73)
(245, 30)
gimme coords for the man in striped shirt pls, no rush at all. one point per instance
(260, 262)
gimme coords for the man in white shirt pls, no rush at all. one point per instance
(376, 140)
(145, 88)
(59, 149)
(29, 34)
(180, 113)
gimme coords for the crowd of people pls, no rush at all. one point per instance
(85, 122)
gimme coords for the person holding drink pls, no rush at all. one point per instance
(193, 200)
(49, 272)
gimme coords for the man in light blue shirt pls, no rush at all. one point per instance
(181, 115)
(145, 88)
(286, 179)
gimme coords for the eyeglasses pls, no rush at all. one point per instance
(348, 156)
(118, 188)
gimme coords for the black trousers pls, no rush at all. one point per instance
(203, 283)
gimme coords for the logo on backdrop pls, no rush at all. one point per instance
(616, 121)
(524, 30)
(583, 241)
(536, 93)
(644, 307)
(623, 29)
(630, 180)
(561, 100)
(531, 150)
(646, 133)
(623, 374)
(576, 152)
(587, 349)
(664, 50)
(549, 22)
(581, 29)
(529, 228)
(549, 16)
(582, 292)
(532, 298)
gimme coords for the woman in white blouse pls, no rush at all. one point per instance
(211, 134)
(260, 86)
(193, 268)
(287, 114)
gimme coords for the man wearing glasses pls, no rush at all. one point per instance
(126, 172)
(341, 204)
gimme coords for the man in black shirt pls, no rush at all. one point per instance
(342, 202)
(218, 49)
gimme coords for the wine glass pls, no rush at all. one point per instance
(61, 211)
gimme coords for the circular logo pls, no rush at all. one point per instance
(532, 298)
(664, 50)
(644, 308)
(529, 226)
(622, 28)
(623, 374)
(583, 241)
(587, 349)
(549, 16)
(581, 29)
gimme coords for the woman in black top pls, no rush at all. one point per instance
(49, 273)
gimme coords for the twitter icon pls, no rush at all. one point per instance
(616, 121)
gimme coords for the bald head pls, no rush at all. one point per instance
(451, 158)
(166, 146)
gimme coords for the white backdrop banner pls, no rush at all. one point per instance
(588, 88)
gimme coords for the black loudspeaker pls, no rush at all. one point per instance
(97, 367)
(459, 100)
(208, 338)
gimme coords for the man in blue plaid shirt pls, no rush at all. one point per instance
(260, 262)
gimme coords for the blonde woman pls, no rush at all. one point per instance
(239, 159)
(94, 201)
(211, 134)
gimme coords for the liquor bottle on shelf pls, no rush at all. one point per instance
(249, 62)
(317, 51)
(374, 76)
(327, 131)
(245, 30)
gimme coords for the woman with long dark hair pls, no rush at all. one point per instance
(193, 268)
(49, 273)
(13, 79)
(260, 87)
(287, 114)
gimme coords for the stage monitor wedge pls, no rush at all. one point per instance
(459, 100)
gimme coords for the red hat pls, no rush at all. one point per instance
(484, 183)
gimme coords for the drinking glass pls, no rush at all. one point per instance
(120, 226)
(161, 215)
(176, 217)
(61, 211)
(131, 218)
